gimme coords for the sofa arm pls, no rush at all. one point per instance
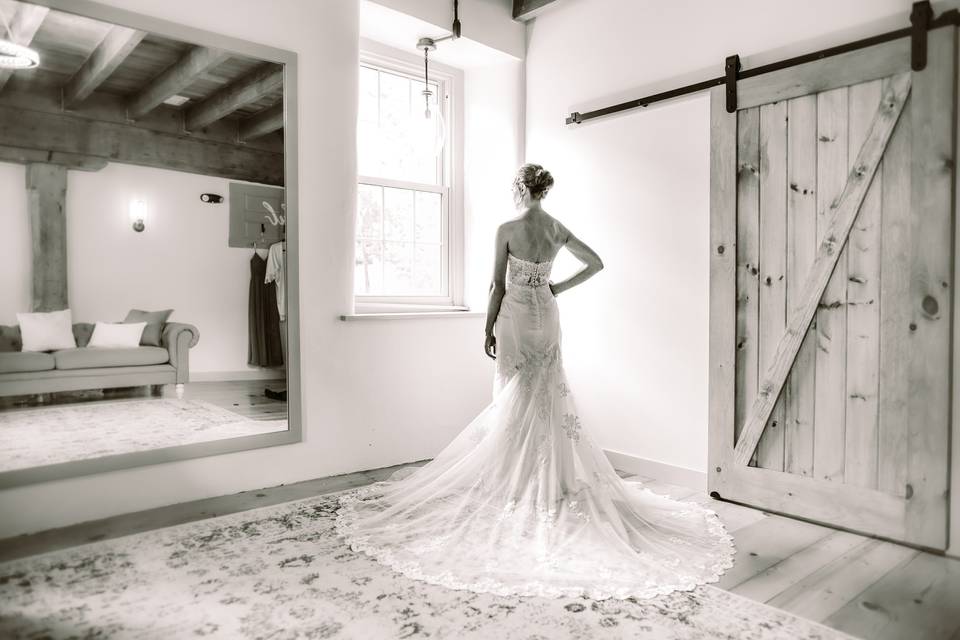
(177, 338)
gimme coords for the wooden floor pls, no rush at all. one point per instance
(868, 588)
(244, 397)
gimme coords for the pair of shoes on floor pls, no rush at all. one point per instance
(275, 395)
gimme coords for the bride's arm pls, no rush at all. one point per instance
(591, 264)
(497, 289)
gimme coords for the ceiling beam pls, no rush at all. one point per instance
(24, 25)
(109, 54)
(527, 9)
(175, 78)
(260, 124)
(76, 161)
(129, 144)
(264, 79)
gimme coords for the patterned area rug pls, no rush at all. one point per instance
(48, 435)
(281, 572)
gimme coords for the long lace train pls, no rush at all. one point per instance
(522, 502)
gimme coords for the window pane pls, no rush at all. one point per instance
(369, 211)
(397, 267)
(369, 96)
(398, 214)
(428, 221)
(427, 269)
(368, 269)
(394, 140)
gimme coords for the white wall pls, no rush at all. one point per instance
(15, 259)
(493, 139)
(180, 262)
(489, 22)
(374, 393)
(636, 187)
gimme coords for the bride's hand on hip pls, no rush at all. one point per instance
(490, 347)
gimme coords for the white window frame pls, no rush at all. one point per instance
(452, 258)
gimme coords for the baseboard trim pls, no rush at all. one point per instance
(226, 376)
(660, 470)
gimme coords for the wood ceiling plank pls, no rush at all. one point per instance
(263, 80)
(111, 52)
(75, 161)
(179, 75)
(130, 144)
(265, 122)
(23, 27)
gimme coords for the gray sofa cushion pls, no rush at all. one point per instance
(17, 361)
(85, 358)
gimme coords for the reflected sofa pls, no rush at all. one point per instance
(28, 372)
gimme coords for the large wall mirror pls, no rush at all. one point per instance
(148, 277)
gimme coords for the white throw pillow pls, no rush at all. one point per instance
(109, 335)
(47, 331)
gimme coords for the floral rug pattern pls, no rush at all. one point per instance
(48, 435)
(281, 572)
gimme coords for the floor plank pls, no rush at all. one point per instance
(827, 590)
(765, 543)
(884, 610)
(777, 578)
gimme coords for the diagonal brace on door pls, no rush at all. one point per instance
(828, 254)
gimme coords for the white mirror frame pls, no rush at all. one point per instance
(288, 59)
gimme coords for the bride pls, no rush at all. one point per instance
(523, 502)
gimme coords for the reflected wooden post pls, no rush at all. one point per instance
(46, 204)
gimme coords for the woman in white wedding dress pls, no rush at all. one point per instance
(522, 502)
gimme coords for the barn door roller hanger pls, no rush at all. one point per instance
(921, 21)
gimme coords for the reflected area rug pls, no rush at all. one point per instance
(281, 572)
(48, 435)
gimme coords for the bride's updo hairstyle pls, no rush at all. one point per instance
(535, 179)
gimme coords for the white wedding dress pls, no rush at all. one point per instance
(522, 502)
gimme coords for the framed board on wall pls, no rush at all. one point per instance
(256, 215)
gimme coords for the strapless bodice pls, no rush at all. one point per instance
(525, 273)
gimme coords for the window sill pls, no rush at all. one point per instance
(412, 315)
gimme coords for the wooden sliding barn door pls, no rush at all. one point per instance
(831, 291)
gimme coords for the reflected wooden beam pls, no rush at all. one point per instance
(177, 76)
(130, 144)
(46, 204)
(76, 161)
(247, 90)
(260, 124)
(109, 54)
(24, 25)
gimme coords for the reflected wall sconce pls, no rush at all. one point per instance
(138, 214)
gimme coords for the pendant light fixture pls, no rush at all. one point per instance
(13, 55)
(432, 120)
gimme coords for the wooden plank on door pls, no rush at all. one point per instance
(828, 257)
(871, 63)
(895, 314)
(830, 381)
(856, 508)
(931, 282)
(748, 262)
(773, 265)
(801, 250)
(863, 305)
(723, 280)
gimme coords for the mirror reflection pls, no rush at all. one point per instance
(143, 283)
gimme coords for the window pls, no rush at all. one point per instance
(403, 234)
